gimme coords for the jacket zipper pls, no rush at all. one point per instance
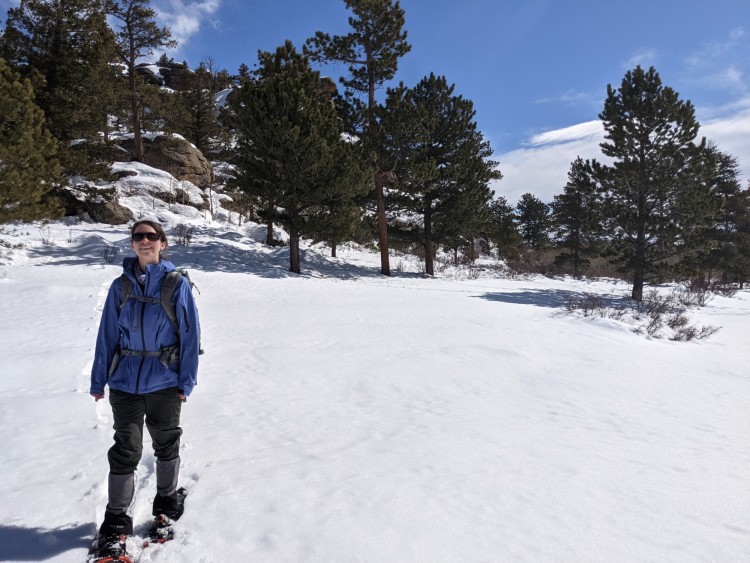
(143, 339)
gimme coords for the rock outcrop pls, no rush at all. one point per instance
(176, 156)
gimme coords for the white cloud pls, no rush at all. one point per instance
(541, 168)
(732, 135)
(711, 52)
(186, 18)
(573, 133)
(645, 58)
(719, 65)
(571, 97)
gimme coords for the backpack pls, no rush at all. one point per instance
(168, 287)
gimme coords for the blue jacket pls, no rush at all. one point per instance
(145, 326)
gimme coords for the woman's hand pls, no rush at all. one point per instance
(97, 396)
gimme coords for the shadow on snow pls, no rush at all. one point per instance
(217, 251)
(550, 298)
(37, 544)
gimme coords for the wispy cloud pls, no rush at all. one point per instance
(712, 51)
(571, 97)
(645, 58)
(577, 132)
(730, 132)
(542, 166)
(719, 65)
(186, 18)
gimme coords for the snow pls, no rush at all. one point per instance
(344, 416)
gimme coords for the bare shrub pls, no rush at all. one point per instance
(588, 305)
(692, 294)
(109, 253)
(678, 320)
(183, 234)
(725, 289)
(654, 304)
(48, 238)
(17, 246)
(652, 315)
(693, 332)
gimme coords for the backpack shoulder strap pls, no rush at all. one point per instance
(126, 288)
(168, 286)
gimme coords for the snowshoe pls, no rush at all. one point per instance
(167, 510)
(110, 549)
(162, 530)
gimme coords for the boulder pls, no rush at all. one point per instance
(100, 205)
(176, 156)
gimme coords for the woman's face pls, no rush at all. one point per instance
(147, 250)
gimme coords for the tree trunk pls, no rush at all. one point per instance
(269, 232)
(294, 261)
(333, 250)
(136, 117)
(639, 271)
(385, 267)
(428, 261)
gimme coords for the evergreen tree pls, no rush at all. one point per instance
(138, 36)
(290, 152)
(502, 229)
(337, 222)
(533, 216)
(727, 254)
(29, 169)
(656, 194)
(576, 215)
(202, 127)
(739, 268)
(371, 52)
(440, 160)
(64, 48)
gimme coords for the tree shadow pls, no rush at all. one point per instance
(549, 298)
(216, 251)
(37, 544)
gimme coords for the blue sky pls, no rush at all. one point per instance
(536, 70)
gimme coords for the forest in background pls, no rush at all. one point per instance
(408, 169)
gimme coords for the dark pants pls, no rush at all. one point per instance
(161, 410)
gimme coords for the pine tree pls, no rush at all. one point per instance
(138, 36)
(371, 52)
(656, 194)
(533, 216)
(64, 48)
(502, 229)
(440, 161)
(576, 215)
(739, 267)
(29, 169)
(202, 128)
(727, 248)
(290, 152)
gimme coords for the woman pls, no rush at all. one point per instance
(150, 366)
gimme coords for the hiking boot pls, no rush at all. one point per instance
(171, 506)
(116, 524)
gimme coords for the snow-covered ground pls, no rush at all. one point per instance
(342, 416)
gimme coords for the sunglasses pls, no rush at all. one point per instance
(138, 237)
